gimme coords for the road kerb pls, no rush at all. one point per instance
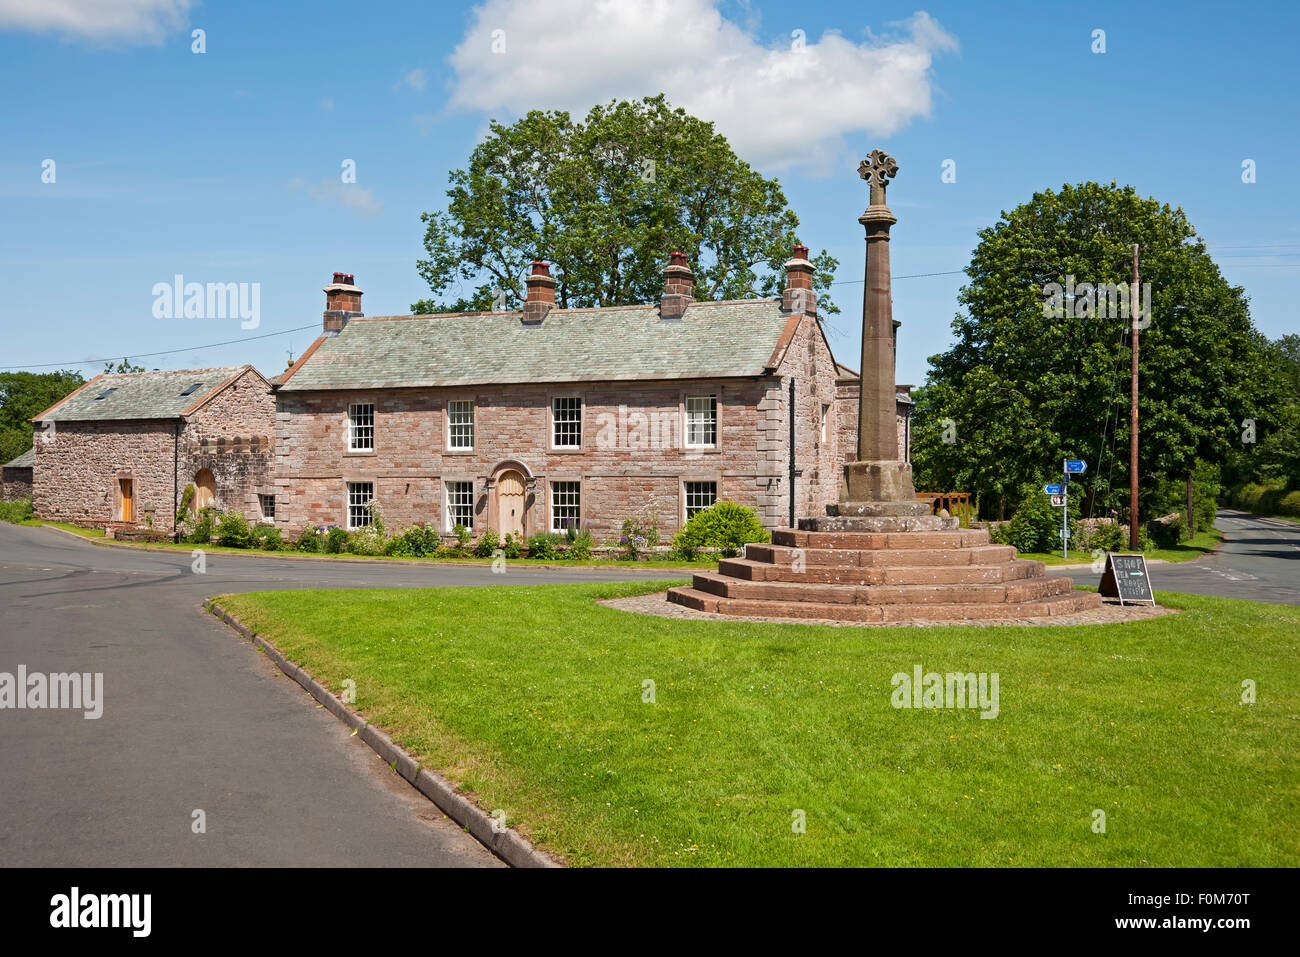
(504, 842)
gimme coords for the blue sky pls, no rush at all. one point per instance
(225, 166)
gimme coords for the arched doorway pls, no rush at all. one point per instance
(510, 503)
(205, 490)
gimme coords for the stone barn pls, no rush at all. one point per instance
(120, 450)
(542, 418)
(17, 476)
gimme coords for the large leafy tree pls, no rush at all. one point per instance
(605, 199)
(1023, 387)
(23, 395)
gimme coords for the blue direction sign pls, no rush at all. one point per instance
(1075, 466)
(1054, 489)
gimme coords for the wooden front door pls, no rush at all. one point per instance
(205, 490)
(126, 491)
(510, 504)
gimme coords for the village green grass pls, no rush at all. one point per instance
(532, 698)
(1202, 543)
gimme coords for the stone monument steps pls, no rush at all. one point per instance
(873, 557)
(1063, 603)
(1024, 590)
(935, 574)
(955, 538)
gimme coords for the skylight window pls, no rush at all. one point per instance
(192, 389)
(106, 393)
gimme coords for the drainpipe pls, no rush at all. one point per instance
(793, 470)
(176, 464)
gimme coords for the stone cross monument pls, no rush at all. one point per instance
(878, 483)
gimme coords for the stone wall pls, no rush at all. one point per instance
(77, 472)
(232, 435)
(632, 460)
(17, 483)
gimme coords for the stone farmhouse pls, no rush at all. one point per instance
(543, 418)
(120, 449)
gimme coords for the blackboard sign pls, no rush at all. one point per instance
(1126, 578)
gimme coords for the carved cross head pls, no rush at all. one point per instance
(878, 169)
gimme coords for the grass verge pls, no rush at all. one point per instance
(533, 698)
(1202, 543)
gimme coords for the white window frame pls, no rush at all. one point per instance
(361, 426)
(687, 508)
(576, 492)
(453, 404)
(450, 506)
(262, 499)
(556, 421)
(711, 397)
(826, 423)
(354, 499)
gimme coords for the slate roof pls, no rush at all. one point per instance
(139, 395)
(25, 461)
(711, 340)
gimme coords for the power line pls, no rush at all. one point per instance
(166, 352)
(919, 275)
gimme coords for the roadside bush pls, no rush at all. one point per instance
(542, 545)
(267, 537)
(1169, 530)
(309, 540)
(1107, 536)
(580, 545)
(510, 546)
(1290, 504)
(203, 523)
(336, 540)
(19, 510)
(726, 525)
(367, 540)
(463, 536)
(418, 541)
(233, 531)
(487, 544)
(187, 496)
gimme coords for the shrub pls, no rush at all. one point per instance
(487, 544)
(1290, 504)
(418, 541)
(463, 536)
(268, 538)
(336, 540)
(309, 540)
(580, 545)
(367, 540)
(203, 522)
(1107, 536)
(726, 525)
(1168, 531)
(233, 531)
(19, 510)
(510, 546)
(542, 545)
(187, 496)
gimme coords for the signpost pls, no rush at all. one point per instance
(1126, 578)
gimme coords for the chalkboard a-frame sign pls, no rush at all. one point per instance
(1126, 578)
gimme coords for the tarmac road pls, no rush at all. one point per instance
(194, 718)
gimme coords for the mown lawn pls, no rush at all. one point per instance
(532, 698)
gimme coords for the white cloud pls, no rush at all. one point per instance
(102, 21)
(354, 198)
(416, 79)
(788, 102)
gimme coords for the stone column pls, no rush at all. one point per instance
(878, 476)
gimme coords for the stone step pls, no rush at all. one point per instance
(956, 538)
(752, 570)
(1060, 604)
(1029, 589)
(875, 557)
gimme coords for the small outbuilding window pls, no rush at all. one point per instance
(268, 506)
(192, 389)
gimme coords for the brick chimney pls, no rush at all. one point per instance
(679, 287)
(342, 302)
(541, 293)
(798, 295)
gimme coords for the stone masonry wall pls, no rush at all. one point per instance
(17, 484)
(76, 475)
(632, 460)
(232, 435)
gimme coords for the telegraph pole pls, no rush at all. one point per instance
(1133, 416)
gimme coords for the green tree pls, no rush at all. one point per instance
(123, 366)
(1023, 387)
(605, 200)
(23, 395)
